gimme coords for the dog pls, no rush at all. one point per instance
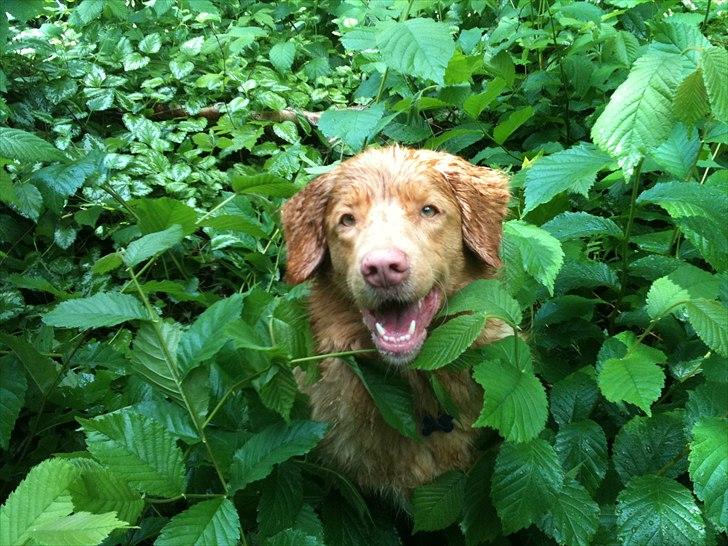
(386, 236)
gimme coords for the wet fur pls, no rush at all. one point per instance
(359, 442)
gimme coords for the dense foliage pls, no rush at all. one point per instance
(147, 340)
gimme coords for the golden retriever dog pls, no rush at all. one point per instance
(386, 237)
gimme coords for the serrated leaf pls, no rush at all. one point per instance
(574, 397)
(392, 395)
(707, 400)
(97, 311)
(572, 517)
(540, 253)
(526, 479)
(709, 468)
(691, 99)
(438, 504)
(139, 450)
(281, 500)
(715, 67)
(79, 529)
(572, 170)
(417, 47)
(639, 114)
(271, 446)
(475, 104)
(514, 401)
(352, 126)
(28, 200)
(12, 396)
(485, 296)
(66, 178)
(678, 154)
(281, 56)
(480, 521)
(26, 147)
(152, 244)
(208, 522)
(655, 510)
(575, 275)
(107, 263)
(233, 222)
(582, 447)
(204, 337)
(151, 43)
(684, 199)
(664, 296)
(277, 390)
(574, 225)
(263, 184)
(710, 321)
(514, 120)
(448, 341)
(40, 498)
(646, 445)
(159, 214)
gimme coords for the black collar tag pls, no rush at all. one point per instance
(430, 424)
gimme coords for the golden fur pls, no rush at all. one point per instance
(387, 188)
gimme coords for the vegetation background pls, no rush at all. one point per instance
(147, 339)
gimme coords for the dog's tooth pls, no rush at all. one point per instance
(412, 327)
(380, 329)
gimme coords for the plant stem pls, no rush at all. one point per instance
(628, 229)
(331, 355)
(562, 75)
(707, 13)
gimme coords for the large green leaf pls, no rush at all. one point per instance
(41, 497)
(418, 47)
(268, 185)
(509, 125)
(392, 395)
(159, 214)
(685, 199)
(152, 244)
(715, 68)
(205, 336)
(655, 510)
(97, 311)
(526, 480)
(352, 125)
(282, 55)
(485, 296)
(574, 397)
(710, 320)
(691, 98)
(438, 504)
(678, 154)
(572, 170)
(573, 225)
(639, 114)
(281, 499)
(665, 296)
(26, 147)
(271, 446)
(572, 517)
(445, 343)
(79, 529)
(12, 395)
(709, 468)
(582, 447)
(211, 522)
(480, 521)
(539, 253)
(139, 450)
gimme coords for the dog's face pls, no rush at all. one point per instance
(399, 227)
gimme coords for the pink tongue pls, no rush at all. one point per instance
(397, 321)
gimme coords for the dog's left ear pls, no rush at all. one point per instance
(483, 195)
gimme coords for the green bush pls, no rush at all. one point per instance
(148, 341)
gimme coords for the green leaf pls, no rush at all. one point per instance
(273, 445)
(639, 114)
(281, 56)
(40, 498)
(445, 343)
(480, 521)
(139, 450)
(582, 447)
(514, 120)
(475, 104)
(26, 147)
(66, 178)
(162, 213)
(353, 126)
(438, 504)
(709, 468)
(28, 200)
(574, 225)
(233, 222)
(691, 99)
(151, 43)
(664, 297)
(107, 263)
(263, 184)
(205, 338)
(40, 369)
(152, 244)
(572, 170)
(658, 510)
(392, 395)
(277, 390)
(715, 67)
(210, 522)
(574, 397)
(485, 296)
(514, 400)
(647, 445)
(97, 311)
(684, 199)
(79, 529)
(526, 480)
(12, 395)
(678, 154)
(573, 516)
(710, 320)
(540, 253)
(417, 47)
(281, 500)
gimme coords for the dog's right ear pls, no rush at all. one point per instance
(303, 228)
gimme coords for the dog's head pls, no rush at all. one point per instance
(401, 228)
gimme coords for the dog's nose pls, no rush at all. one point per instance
(385, 268)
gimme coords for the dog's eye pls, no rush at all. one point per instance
(428, 211)
(347, 220)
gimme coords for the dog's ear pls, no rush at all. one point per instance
(483, 195)
(303, 227)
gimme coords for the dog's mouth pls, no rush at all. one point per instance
(399, 328)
